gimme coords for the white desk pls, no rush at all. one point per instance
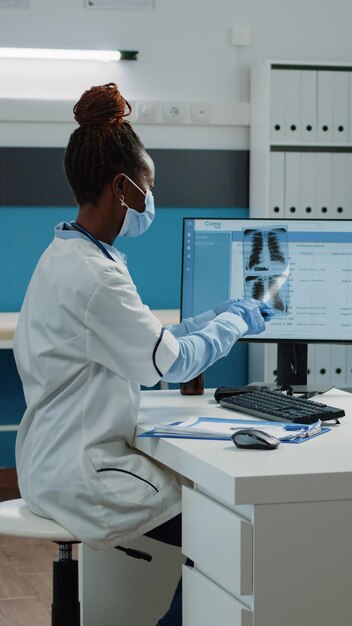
(270, 532)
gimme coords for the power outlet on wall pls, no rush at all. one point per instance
(200, 113)
(175, 112)
(147, 111)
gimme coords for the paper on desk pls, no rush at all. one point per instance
(222, 428)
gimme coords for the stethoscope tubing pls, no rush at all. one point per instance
(93, 239)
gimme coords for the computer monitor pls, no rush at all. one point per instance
(302, 268)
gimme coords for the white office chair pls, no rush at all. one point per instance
(17, 520)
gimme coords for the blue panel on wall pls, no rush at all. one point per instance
(24, 235)
(7, 449)
(232, 371)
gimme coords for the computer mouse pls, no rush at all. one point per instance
(254, 439)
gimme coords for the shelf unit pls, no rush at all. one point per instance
(301, 167)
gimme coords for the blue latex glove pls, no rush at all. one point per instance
(223, 306)
(266, 311)
(250, 311)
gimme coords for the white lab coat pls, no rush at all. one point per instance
(83, 345)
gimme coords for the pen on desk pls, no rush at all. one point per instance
(293, 426)
(304, 430)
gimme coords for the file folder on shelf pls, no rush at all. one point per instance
(350, 107)
(340, 107)
(277, 105)
(325, 106)
(308, 106)
(307, 201)
(338, 361)
(292, 105)
(321, 374)
(324, 185)
(277, 180)
(340, 180)
(292, 184)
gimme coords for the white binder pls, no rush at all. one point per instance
(325, 102)
(348, 212)
(277, 105)
(323, 185)
(292, 184)
(322, 370)
(270, 362)
(349, 366)
(277, 178)
(292, 105)
(341, 175)
(350, 107)
(340, 107)
(338, 364)
(307, 203)
(311, 364)
(308, 106)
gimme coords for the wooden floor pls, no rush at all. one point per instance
(25, 581)
(25, 572)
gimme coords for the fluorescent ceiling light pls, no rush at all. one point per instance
(70, 55)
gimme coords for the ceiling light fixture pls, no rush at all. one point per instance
(68, 55)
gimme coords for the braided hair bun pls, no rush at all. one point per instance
(101, 106)
(103, 145)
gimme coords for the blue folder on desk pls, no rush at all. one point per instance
(221, 429)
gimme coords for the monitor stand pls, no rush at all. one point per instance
(292, 368)
(292, 364)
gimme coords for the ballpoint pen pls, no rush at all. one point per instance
(304, 430)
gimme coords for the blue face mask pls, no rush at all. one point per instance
(136, 223)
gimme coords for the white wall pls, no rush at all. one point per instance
(185, 55)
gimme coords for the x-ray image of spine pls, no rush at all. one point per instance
(255, 247)
(255, 287)
(266, 267)
(275, 251)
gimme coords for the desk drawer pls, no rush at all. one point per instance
(205, 604)
(219, 541)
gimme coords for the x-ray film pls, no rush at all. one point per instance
(266, 266)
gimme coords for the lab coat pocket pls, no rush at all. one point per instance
(123, 474)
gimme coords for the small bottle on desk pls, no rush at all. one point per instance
(194, 387)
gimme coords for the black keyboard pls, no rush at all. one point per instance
(276, 406)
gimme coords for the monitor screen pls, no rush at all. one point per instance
(302, 268)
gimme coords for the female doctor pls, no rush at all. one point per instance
(85, 343)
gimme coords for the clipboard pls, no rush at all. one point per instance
(221, 429)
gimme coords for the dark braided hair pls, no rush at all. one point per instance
(103, 145)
